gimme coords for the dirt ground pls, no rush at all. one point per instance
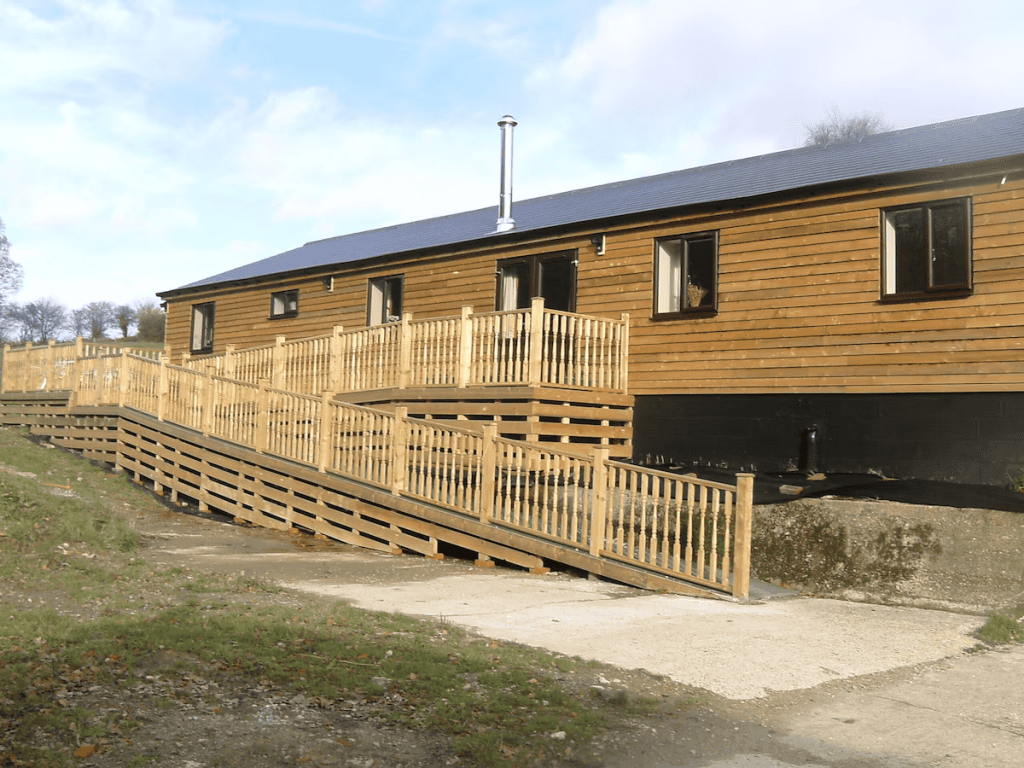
(203, 715)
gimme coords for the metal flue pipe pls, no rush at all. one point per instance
(505, 220)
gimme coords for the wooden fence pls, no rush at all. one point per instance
(534, 346)
(677, 526)
(49, 368)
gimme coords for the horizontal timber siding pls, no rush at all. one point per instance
(798, 305)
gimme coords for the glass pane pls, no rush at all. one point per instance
(949, 245)
(393, 300)
(700, 275)
(556, 283)
(515, 286)
(911, 250)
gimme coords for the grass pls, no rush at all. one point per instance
(80, 555)
(1003, 627)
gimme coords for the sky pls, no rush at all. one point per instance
(148, 144)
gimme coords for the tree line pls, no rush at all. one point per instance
(44, 320)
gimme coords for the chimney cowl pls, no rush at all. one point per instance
(505, 220)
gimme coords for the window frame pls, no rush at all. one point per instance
(284, 303)
(379, 290)
(658, 298)
(534, 264)
(205, 314)
(888, 255)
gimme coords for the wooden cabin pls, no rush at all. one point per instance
(850, 308)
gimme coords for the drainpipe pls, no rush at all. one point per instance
(505, 220)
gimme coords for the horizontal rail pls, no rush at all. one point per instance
(533, 346)
(679, 526)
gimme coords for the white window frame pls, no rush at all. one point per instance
(202, 328)
(284, 303)
(381, 306)
(889, 281)
(673, 294)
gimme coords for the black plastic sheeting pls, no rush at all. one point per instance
(778, 488)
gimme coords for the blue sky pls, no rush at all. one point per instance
(145, 145)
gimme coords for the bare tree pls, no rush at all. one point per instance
(151, 321)
(124, 316)
(99, 317)
(41, 320)
(78, 321)
(837, 128)
(11, 276)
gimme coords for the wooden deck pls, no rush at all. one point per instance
(392, 481)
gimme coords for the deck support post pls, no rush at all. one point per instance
(465, 347)
(488, 472)
(599, 506)
(262, 417)
(277, 376)
(400, 451)
(206, 398)
(51, 364)
(25, 366)
(326, 431)
(536, 340)
(334, 361)
(744, 523)
(122, 377)
(161, 388)
(623, 348)
(228, 369)
(405, 350)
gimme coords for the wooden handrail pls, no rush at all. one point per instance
(668, 524)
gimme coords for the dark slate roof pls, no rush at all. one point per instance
(968, 140)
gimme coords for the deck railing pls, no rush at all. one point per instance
(534, 346)
(668, 524)
(49, 367)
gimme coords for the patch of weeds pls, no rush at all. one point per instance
(1003, 628)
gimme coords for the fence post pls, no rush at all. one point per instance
(161, 388)
(51, 364)
(334, 363)
(206, 398)
(79, 346)
(465, 348)
(744, 523)
(599, 505)
(25, 368)
(277, 371)
(624, 355)
(122, 377)
(400, 451)
(488, 472)
(229, 362)
(404, 350)
(3, 373)
(536, 340)
(262, 417)
(326, 430)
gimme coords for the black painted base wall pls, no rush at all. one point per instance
(964, 438)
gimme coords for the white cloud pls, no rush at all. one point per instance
(83, 39)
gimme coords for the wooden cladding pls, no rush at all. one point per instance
(799, 296)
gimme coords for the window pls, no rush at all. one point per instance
(551, 276)
(202, 328)
(926, 250)
(384, 303)
(685, 275)
(284, 303)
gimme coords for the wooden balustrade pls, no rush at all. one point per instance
(672, 525)
(532, 346)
